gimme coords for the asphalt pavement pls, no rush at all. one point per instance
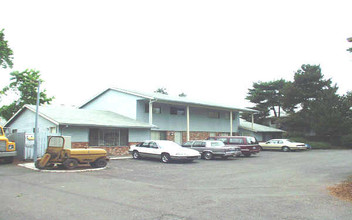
(272, 185)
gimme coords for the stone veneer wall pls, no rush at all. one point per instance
(193, 135)
(112, 151)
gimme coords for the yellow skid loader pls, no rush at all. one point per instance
(56, 154)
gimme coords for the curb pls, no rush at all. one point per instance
(121, 158)
(32, 167)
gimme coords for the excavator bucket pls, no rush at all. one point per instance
(40, 164)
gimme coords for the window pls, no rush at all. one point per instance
(188, 144)
(52, 130)
(158, 135)
(177, 111)
(199, 144)
(224, 140)
(217, 144)
(156, 110)
(108, 137)
(236, 141)
(213, 114)
(252, 140)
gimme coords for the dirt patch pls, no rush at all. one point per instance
(342, 191)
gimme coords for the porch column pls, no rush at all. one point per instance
(150, 112)
(252, 121)
(231, 124)
(188, 136)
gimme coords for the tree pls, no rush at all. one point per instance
(161, 90)
(349, 40)
(6, 54)
(308, 85)
(267, 96)
(182, 95)
(24, 84)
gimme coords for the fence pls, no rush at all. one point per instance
(25, 144)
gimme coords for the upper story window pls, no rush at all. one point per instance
(156, 110)
(177, 111)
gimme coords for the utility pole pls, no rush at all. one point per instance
(35, 150)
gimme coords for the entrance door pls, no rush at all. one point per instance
(178, 137)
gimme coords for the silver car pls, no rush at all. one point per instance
(210, 148)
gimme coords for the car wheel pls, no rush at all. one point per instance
(208, 155)
(165, 158)
(70, 164)
(136, 155)
(285, 149)
(99, 163)
(247, 154)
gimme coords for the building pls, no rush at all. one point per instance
(117, 118)
(173, 118)
(260, 132)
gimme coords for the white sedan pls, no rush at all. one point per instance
(282, 144)
(163, 150)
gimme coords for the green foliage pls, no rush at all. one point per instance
(307, 86)
(346, 140)
(6, 54)
(314, 107)
(161, 90)
(24, 84)
(182, 95)
(267, 96)
(349, 40)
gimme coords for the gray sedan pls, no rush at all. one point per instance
(210, 148)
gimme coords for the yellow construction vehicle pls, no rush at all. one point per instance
(57, 154)
(7, 148)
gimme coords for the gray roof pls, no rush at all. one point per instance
(257, 127)
(83, 117)
(158, 97)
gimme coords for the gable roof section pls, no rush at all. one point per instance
(83, 117)
(158, 97)
(258, 128)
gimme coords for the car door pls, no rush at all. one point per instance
(154, 150)
(274, 145)
(199, 146)
(143, 149)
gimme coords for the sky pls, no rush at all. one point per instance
(209, 50)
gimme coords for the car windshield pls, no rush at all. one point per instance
(252, 140)
(217, 144)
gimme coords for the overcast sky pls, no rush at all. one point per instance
(210, 50)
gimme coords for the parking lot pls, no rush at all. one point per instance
(272, 185)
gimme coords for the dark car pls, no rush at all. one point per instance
(249, 145)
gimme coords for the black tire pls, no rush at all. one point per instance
(208, 155)
(135, 155)
(165, 158)
(247, 154)
(286, 149)
(99, 163)
(70, 164)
